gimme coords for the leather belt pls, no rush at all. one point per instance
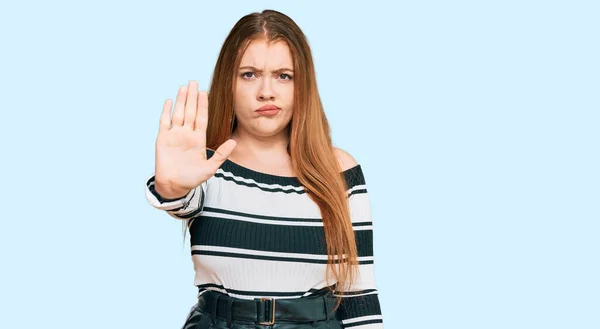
(267, 311)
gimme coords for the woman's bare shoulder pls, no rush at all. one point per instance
(345, 159)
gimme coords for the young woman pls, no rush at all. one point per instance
(279, 219)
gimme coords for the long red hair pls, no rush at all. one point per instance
(310, 147)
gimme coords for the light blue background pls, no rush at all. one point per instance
(476, 123)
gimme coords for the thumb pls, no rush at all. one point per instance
(222, 153)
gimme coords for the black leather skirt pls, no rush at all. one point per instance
(220, 311)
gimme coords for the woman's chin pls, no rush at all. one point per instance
(268, 130)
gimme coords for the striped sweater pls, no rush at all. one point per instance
(254, 235)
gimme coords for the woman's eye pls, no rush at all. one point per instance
(247, 75)
(285, 76)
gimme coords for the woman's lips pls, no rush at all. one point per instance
(268, 110)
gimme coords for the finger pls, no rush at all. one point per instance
(165, 116)
(190, 105)
(178, 114)
(221, 154)
(202, 113)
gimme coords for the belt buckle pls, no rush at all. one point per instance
(272, 317)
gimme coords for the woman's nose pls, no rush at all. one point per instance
(266, 91)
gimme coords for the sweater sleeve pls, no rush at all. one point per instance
(360, 308)
(185, 207)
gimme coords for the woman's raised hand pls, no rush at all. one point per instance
(181, 163)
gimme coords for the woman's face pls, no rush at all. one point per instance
(264, 81)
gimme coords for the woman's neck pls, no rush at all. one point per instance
(252, 146)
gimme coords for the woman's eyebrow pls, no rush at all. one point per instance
(260, 71)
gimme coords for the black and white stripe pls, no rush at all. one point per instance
(184, 208)
(259, 235)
